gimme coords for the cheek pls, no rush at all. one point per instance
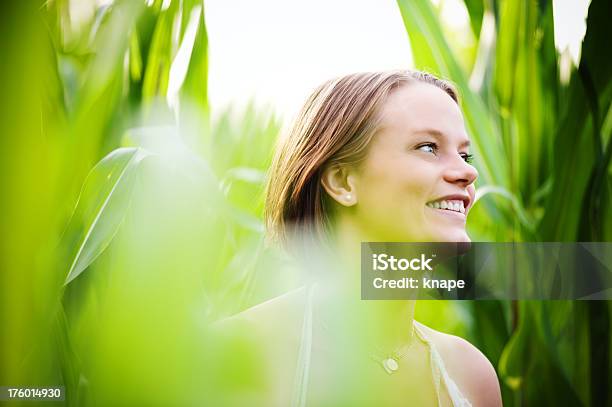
(388, 179)
(413, 186)
(394, 191)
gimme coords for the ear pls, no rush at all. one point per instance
(340, 184)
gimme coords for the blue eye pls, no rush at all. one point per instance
(428, 148)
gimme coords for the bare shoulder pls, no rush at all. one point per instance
(261, 343)
(468, 367)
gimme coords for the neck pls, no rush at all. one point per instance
(384, 324)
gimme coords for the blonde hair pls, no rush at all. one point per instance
(334, 126)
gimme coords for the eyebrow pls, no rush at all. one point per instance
(439, 135)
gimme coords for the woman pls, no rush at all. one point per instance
(371, 157)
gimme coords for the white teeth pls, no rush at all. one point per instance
(454, 205)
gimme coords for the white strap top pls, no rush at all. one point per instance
(440, 374)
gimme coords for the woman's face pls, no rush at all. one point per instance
(415, 183)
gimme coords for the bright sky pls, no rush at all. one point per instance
(277, 51)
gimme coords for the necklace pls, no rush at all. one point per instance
(390, 361)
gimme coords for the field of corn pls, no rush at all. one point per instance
(129, 219)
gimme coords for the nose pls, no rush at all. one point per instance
(460, 172)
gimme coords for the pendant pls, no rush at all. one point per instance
(390, 365)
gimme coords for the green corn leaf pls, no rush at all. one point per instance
(475, 9)
(159, 57)
(101, 206)
(189, 71)
(522, 215)
(575, 163)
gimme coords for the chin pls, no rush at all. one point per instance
(463, 238)
(458, 237)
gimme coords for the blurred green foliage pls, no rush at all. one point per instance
(129, 220)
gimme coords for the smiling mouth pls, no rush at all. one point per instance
(451, 205)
